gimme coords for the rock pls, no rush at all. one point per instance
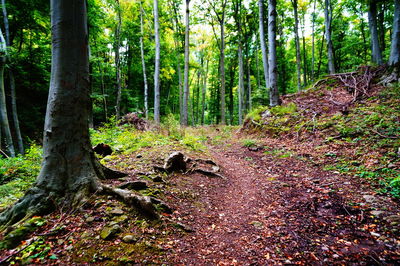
(184, 227)
(175, 162)
(109, 232)
(377, 213)
(102, 149)
(135, 185)
(129, 239)
(121, 219)
(135, 120)
(139, 156)
(265, 114)
(116, 212)
(369, 198)
(90, 219)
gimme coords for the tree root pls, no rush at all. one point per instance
(142, 203)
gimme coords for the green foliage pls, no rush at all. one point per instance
(281, 110)
(255, 114)
(18, 174)
(249, 143)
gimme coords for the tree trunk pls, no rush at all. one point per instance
(328, 31)
(186, 71)
(157, 65)
(222, 69)
(118, 61)
(296, 37)
(373, 28)
(273, 68)
(249, 100)
(238, 7)
(395, 46)
(146, 88)
(14, 111)
(203, 93)
(313, 17)
(262, 41)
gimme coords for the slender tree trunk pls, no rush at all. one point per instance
(373, 27)
(313, 43)
(146, 88)
(3, 111)
(395, 46)
(14, 111)
(157, 65)
(328, 31)
(231, 99)
(249, 100)
(262, 41)
(186, 71)
(296, 37)
(118, 61)
(222, 70)
(305, 75)
(203, 93)
(381, 25)
(238, 7)
(273, 68)
(321, 48)
(258, 68)
(365, 47)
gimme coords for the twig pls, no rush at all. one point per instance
(384, 136)
(33, 240)
(2, 152)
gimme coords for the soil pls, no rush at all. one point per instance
(273, 210)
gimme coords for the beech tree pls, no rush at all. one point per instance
(157, 65)
(328, 34)
(70, 171)
(395, 46)
(186, 71)
(117, 47)
(273, 67)
(262, 41)
(146, 88)
(373, 28)
(297, 41)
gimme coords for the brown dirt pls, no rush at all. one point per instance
(273, 210)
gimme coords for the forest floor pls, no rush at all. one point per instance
(273, 204)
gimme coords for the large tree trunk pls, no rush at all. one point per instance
(222, 68)
(118, 61)
(395, 46)
(328, 31)
(273, 68)
(146, 88)
(157, 65)
(313, 17)
(186, 71)
(14, 111)
(373, 27)
(296, 37)
(203, 93)
(238, 7)
(262, 41)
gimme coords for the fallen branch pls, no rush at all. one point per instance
(208, 173)
(384, 136)
(2, 152)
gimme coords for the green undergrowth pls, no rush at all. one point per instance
(372, 126)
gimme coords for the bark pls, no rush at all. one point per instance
(395, 45)
(14, 111)
(313, 43)
(238, 5)
(296, 37)
(222, 66)
(157, 65)
(328, 32)
(249, 100)
(273, 68)
(118, 61)
(203, 93)
(373, 27)
(146, 89)
(186, 71)
(262, 41)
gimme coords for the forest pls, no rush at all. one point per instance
(200, 132)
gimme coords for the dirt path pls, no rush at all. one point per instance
(272, 210)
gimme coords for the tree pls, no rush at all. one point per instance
(70, 171)
(262, 41)
(117, 48)
(146, 89)
(157, 65)
(237, 7)
(273, 67)
(395, 46)
(3, 108)
(220, 14)
(297, 41)
(12, 84)
(373, 28)
(186, 71)
(328, 33)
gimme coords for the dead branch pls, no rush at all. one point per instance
(384, 136)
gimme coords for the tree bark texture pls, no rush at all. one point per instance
(373, 28)
(222, 66)
(262, 41)
(146, 88)
(118, 60)
(328, 33)
(297, 40)
(273, 68)
(395, 45)
(157, 65)
(186, 70)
